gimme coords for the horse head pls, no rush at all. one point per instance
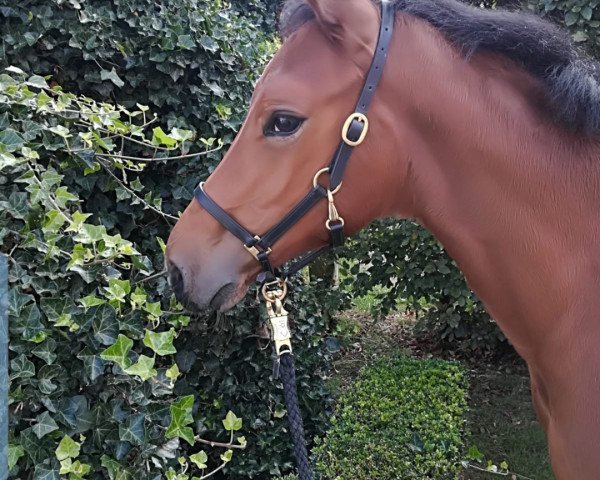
(292, 130)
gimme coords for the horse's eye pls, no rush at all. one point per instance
(282, 124)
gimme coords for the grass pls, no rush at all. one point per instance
(501, 418)
(503, 424)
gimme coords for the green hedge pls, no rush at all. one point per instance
(403, 419)
(109, 377)
(192, 61)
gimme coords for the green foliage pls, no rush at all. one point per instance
(109, 377)
(192, 61)
(581, 17)
(404, 418)
(404, 261)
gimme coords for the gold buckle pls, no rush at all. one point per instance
(361, 118)
(255, 251)
(274, 294)
(316, 180)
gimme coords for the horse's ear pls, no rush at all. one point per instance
(347, 20)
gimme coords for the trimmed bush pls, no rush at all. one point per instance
(403, 419)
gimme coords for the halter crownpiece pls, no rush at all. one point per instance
(353, 133)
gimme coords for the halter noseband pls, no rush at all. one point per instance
(354, 132)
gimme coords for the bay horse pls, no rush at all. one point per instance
(484, 128)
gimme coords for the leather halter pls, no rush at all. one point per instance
(353, 133)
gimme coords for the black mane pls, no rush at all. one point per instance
(572, 80)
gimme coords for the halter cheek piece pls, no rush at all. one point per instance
(354, 132)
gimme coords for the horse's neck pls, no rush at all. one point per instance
(489, 180)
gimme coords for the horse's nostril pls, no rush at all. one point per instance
(176, 281)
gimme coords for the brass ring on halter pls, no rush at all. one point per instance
(316, 180)
(272, 296)
(359, 117)
(329, 221)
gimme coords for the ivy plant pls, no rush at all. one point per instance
(106, 379)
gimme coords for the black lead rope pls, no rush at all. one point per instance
(290, 394)
(274, 287)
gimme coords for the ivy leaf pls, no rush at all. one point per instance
(571, 18)
(54, 221)
(31, 38)
(186, 42)
(162, 245)
(232, 422)
(161, 343)
(119, 352)
(91, 301)
(115, 469)
(208, 43)
(45, 424)
(112, 76)
(62, 196)
(143, 368)
(216, 89)
(133, 430)
(474, 454)
(173, 372)
(153, 309)
(15, 452)
(67, 448)
(586, 13)
(181, 416)
(159, 137)
(199, 459)
(21, 367)
(13, 69)
(29, 323)
(90, 233)
(117, 290)
(37, 82)
(77, 220)
(105, 325)
(93, 365)
(77, 469)
(61, 131)
(17, 205)
(181, 135)
(11, 140)
(42, 472)
(226, 457)
(580, 36)
(45, 351)
(17, 300)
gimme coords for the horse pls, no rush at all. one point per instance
(484, 129)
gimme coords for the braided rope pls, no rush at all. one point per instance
(288, 378)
